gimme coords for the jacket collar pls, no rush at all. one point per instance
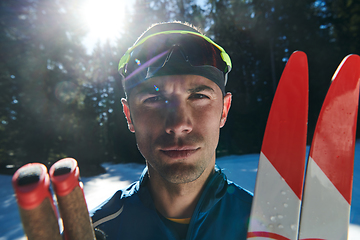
(215, 189)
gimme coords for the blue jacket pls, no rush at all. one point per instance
(222, 213)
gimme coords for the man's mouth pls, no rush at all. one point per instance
(179, 153)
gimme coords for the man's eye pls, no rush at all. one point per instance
(154, 99)
(199, 96)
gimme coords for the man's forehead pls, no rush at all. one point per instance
(192, 83)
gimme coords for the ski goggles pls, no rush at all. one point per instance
(152, 56)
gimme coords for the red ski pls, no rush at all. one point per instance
(325, 207)
(325, 211)
(278, 191)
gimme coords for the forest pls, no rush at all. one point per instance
(59, 100)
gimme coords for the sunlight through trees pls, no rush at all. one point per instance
(59, 99)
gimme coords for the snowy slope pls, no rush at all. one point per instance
(240, 169)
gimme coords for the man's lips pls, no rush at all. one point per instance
(179, 153)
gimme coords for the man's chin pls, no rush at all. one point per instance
(180, 173)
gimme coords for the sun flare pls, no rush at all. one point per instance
(104, 17)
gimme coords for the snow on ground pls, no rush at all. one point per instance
(240, 169)
(98, 189)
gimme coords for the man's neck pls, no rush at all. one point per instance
(177, 200)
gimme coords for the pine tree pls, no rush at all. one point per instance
(45, 67)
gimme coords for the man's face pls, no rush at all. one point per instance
(176, 121)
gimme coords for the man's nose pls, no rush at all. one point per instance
(178, 119)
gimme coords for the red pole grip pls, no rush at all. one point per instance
(36, 206)
(65, 176)
(31, 184)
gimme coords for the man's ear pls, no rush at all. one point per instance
(226, 108)
(126, 111)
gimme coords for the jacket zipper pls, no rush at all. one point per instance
(198, 207)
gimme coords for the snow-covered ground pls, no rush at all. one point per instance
(240, 169)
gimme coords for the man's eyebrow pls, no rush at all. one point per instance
(149, 90)
(200, 89)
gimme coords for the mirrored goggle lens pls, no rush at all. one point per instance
(156, 51)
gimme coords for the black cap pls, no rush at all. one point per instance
(177, 64)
